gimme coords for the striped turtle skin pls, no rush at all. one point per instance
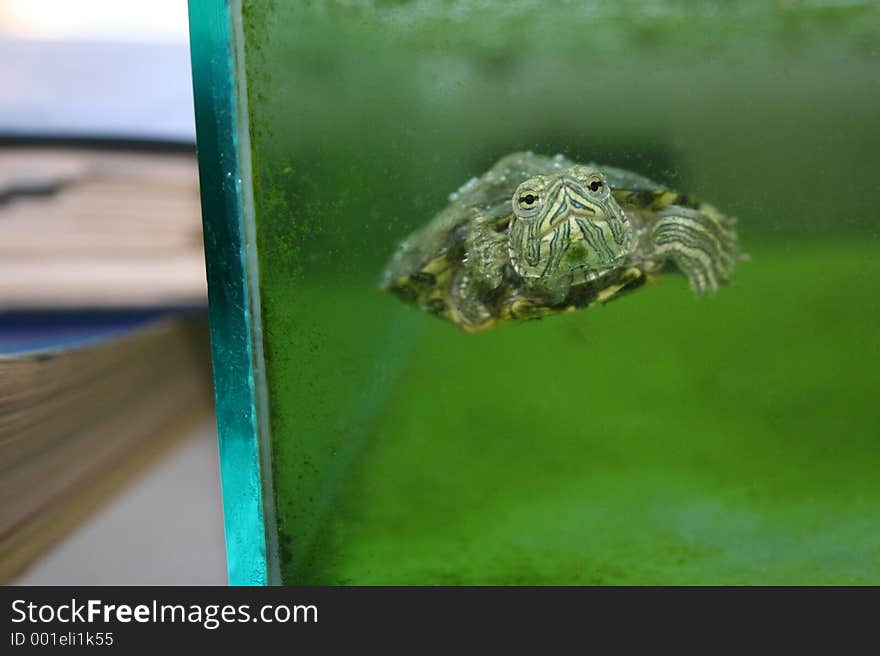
(536, 235)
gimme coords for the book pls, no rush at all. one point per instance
(100, 225)
(103, 330)
(103, 334)
(86, 399)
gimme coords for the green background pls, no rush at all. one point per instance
(660, 439)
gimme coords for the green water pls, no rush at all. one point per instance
(659, 439)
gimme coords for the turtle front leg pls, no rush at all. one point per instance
(700, 243)
(467, 307)
(480, 273)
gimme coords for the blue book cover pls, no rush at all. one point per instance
(25, 332)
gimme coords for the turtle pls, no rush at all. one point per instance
(536, 236)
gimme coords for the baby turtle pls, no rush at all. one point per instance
(538, 235)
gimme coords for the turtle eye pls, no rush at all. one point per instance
(527, 201)
(596, 184)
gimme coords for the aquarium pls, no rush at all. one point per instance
(651, 435)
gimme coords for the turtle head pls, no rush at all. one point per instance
(566, 222)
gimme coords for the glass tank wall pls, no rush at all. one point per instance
(661, 438)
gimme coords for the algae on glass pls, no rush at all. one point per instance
(659, 439)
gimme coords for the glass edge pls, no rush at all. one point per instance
(233, 293)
